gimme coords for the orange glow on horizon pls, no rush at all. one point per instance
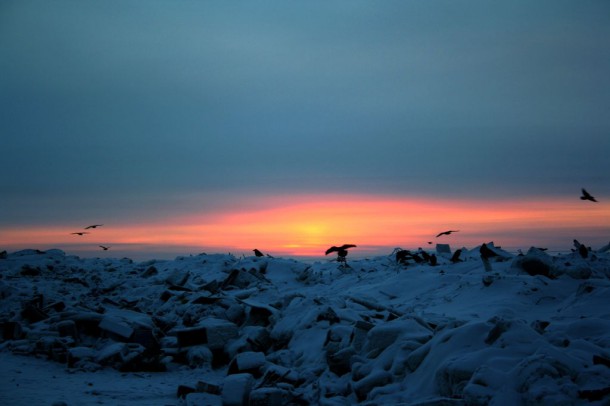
(307, 225)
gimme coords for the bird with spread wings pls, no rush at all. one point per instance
(446, 232)
(587, 196)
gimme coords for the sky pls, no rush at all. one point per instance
(188, 126)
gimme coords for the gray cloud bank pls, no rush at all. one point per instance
(124, 103)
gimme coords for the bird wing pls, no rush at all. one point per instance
(443, 233)
(332, 249)
(346, 246)
(585, 193)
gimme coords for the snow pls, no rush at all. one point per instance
(532, 329)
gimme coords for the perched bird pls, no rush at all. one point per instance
(104, 248)
(257, 253)
(417, 258)
(587, 196)
(425, 255)
(80, 233)
(486, 252)
(341, 251)
(433, 260)
(583, 251)
(456, 256)
(403, 256)
(446, 232)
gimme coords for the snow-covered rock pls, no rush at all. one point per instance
(279, 331)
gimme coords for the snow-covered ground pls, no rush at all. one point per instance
(217, 329)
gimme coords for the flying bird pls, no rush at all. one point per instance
(93, 226)
(80, 233)
(257, 253)
(587, 196)
(104, 248)
(446, 232)
(341, 251)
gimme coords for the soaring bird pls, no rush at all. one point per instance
(446, 232)
(93, 226)
(80, 233)
(341, 251)
(257, 253)
(587, 196)
(104, 248)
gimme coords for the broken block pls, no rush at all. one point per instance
(145, 337)
(198, 356)
(67, 328)
(33, 313)
(236, 390)
(219, 332)
(247, 362)
(116, 328)
(76, 354)
(268, 397)
(191, 336)
(207, 387)
(11, 330)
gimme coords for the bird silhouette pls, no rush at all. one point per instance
(402, 256)
(104, 248)
(486, 252)
(341, 251)
(583, 251)
(425, 255)
(93, 226)
(80, 233)
(257, 253)
(456, 256)
(446, 232)
(587, 196)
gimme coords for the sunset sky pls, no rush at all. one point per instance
(188, 126)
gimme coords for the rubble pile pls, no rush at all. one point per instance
(272, 331)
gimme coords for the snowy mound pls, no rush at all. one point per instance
(532, 329)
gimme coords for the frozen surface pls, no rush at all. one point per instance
(531, 329)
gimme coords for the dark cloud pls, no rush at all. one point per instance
(119, 100)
